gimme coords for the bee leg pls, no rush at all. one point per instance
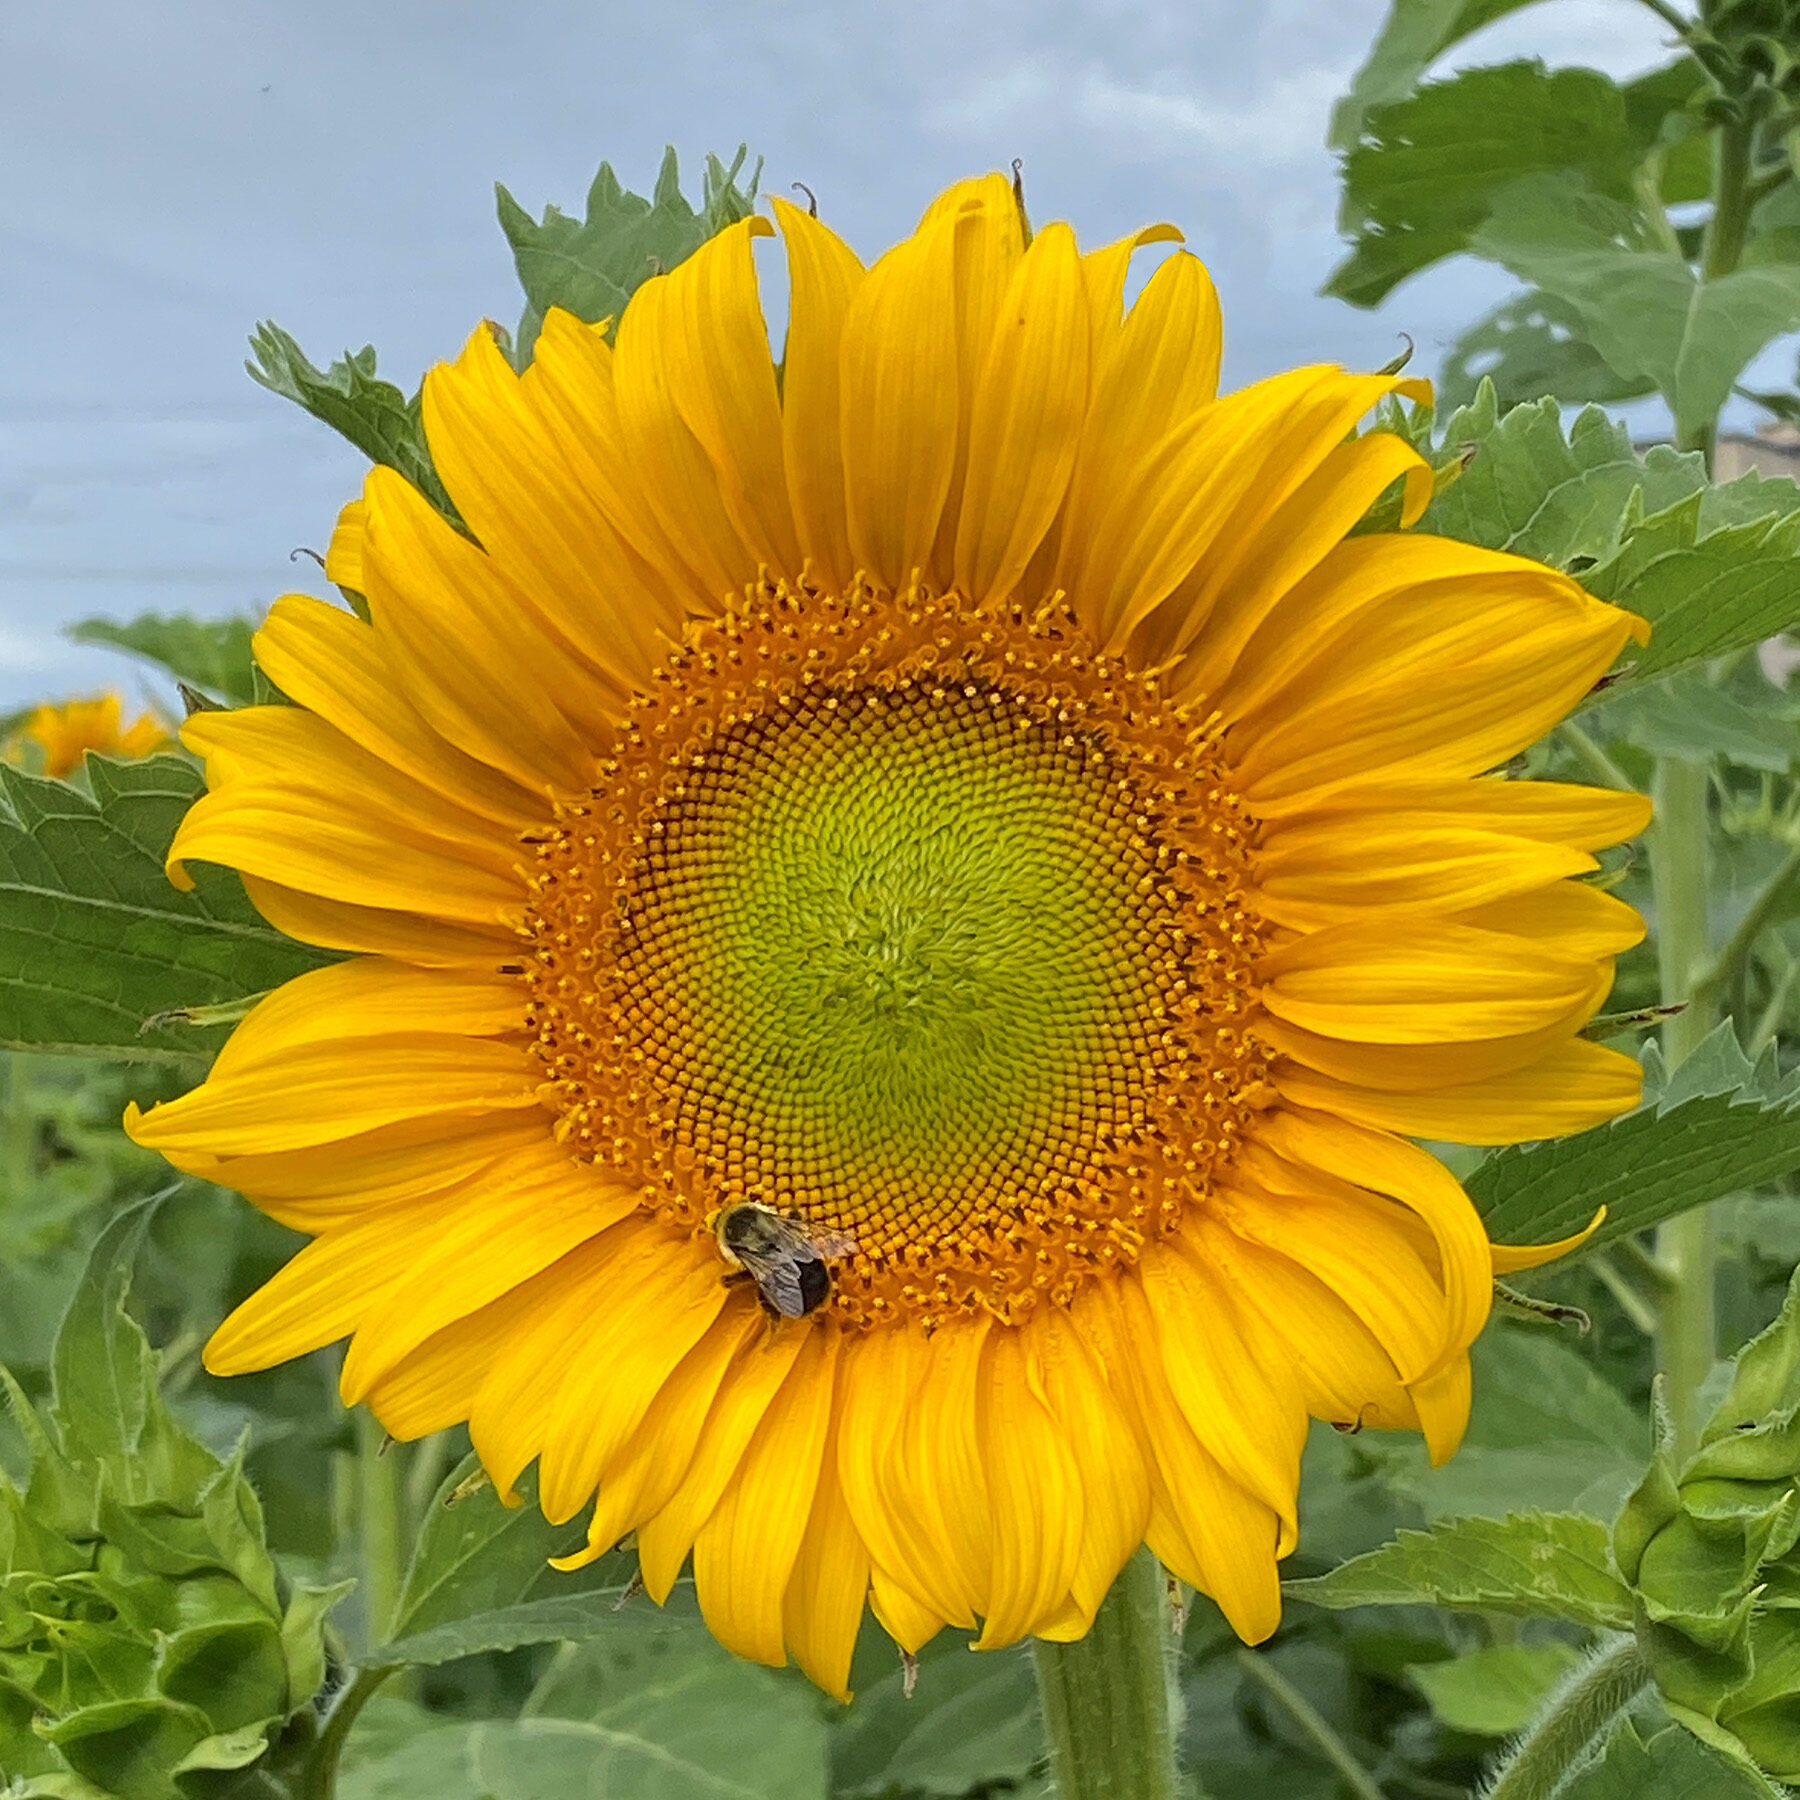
(631, 1590)
(909, 1674)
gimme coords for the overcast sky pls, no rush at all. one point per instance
(178, 171)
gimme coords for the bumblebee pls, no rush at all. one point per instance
(787, 1261)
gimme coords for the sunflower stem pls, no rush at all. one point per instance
(1685, 1332)
(1537, 1764)
(382, 1495)
(1106, 1696)
(318, 1778)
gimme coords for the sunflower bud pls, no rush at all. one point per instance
(145, 1633)
(1712, 1548)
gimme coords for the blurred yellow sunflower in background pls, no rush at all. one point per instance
(58, 735)
(961, 791)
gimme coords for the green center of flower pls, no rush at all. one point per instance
(895, 954)
(917, 927)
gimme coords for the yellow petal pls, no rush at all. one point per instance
(532, 495)
(1340, 868)
(1115, 1483)
(1030, 399)
(755, 1387)
(642, 1479)
(1548, 812)
(371, 997)
(1567, 919)
(660, 579)
(1149, 375)
(823, 275)
(1034, 1489)
(1203, 1526)
(1104, 272)
(509, 1420)
(1249, 1418)
(1353, 1242)
(1218, 610)
(1441, 983)
(1418, 1181)
(882, 1371)
(329, 1288)
(314, 1094)
(676, 477)
(666, 1294)
(1510, 1258)
(939, 1483)
(1404, 656)
(898, 400)
(343, 555)
(349, 849)
(822, 1610)
(988, 238)
(409, 937)
(466, 657)
(1288, 1313)
(511, 1222)
(1574, 1088)
(1403, 1068)
(722, 381)
(911, 1624)
(333, 664)
(745, 1551)
(1443, 1407)
(434, 1387)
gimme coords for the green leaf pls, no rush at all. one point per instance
(1719, 1124)
(666, 1718)
(95, 939)
(474, 1556)
(1493, 1692)
(210, 654)
(1546, 1433)
(1562, 499)
(971, 1724)
(1670, 1765)
(1530, 1565)
(108, 1406)
(355, 402)
(1426, 172)
(592, 266)
(127, 1748)
(1413, 36)
(1641, 306)
(1706, 592)
(659, 1718)
(1531, 347)
(553, 1619)
(1687, 717)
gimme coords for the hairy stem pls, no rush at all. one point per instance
(318, 1780)
(1106, 1696)
(1534, 1767)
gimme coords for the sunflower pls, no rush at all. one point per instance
(965, 794)
(58, 737)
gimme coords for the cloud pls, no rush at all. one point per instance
(1282, 122)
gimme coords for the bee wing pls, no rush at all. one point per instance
(780, 1286)
(834, 1243)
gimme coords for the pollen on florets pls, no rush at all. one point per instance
(918, 921)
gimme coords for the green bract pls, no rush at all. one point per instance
(149, 1648)
(1712, 1548)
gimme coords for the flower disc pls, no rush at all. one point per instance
(975, 798)
(920, 924)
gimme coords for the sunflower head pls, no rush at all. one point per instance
(960, 798)
(57, 737)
